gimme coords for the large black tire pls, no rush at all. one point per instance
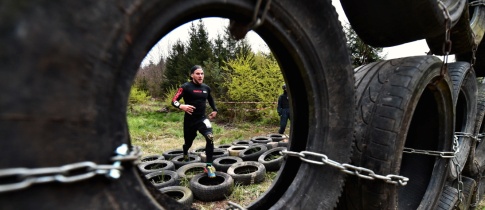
(475, 165)
(149, 158)
(448, 199)
(236, 149)
(68, 66)
(212, 189)
(163, 178)
(216, 154)
(247, 172)
(467, 32)
(383, 23)
(276, 137)
(461, 37)
(253, 152)
(178, 161)
(169, 154)
(152, 166)
(401, 103)
(465, 103)
(223, 163)
(261, 139)
(242, 142)
(468, 188)
(181, 194)
(272, 159)
(190, 170)
(478, 193)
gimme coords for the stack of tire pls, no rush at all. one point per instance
(242, 162)
(409, 104)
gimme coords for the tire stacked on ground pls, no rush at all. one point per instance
(216, 154)
(190, 170)
(253, 152)
(149, 158)
(152, 166)
(212, 189)
(169, 154)
(223, 163)
(272, 159)
(236, 149)
(163, 178)
(181, 194)
(179, 161)
(247, 172)
(394, 98)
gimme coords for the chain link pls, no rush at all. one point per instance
(452, 154)
(21, 178)
(256, 22)
(346, 168)
(479, 137)
(234, 206)
(477, 3)
(447, 44)
(477, 187)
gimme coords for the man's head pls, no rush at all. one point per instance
(197, 74)
(284, 87)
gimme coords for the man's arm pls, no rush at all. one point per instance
(177, 97)
(175, 102)
(213, 106)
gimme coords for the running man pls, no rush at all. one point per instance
(195, 94)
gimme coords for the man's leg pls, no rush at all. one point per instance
(206, 131)
(283, 121)
(190, 132)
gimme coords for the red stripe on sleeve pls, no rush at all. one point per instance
(177, 95)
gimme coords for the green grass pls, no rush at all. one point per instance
(156, 132)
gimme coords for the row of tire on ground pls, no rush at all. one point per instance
(242, 162)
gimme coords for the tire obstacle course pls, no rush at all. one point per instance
(67, 67)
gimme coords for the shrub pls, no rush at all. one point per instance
(138, 96)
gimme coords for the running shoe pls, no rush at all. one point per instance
(210, 170)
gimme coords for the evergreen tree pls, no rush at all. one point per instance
(199, 49)
(361, 53)
(177, 66)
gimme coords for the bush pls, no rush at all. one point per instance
(167, 99)
(138, 96)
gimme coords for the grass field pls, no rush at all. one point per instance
(156, 132)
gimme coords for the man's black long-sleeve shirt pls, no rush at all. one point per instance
(195, 95)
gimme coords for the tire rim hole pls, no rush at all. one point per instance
(245, 170)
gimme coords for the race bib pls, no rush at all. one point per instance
(207, 123)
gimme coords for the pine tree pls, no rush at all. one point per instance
(178, 66)
(361, 53)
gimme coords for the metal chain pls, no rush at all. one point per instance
(447, 43)
(474, 52)
(479, 137)
(477, 3)
(256, 22)
(459, 186)
(234, 206)
(74, 172)
(441, 154)
(347, 168)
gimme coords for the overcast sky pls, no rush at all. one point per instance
(216, 26)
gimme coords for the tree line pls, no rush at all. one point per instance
(233, 71)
